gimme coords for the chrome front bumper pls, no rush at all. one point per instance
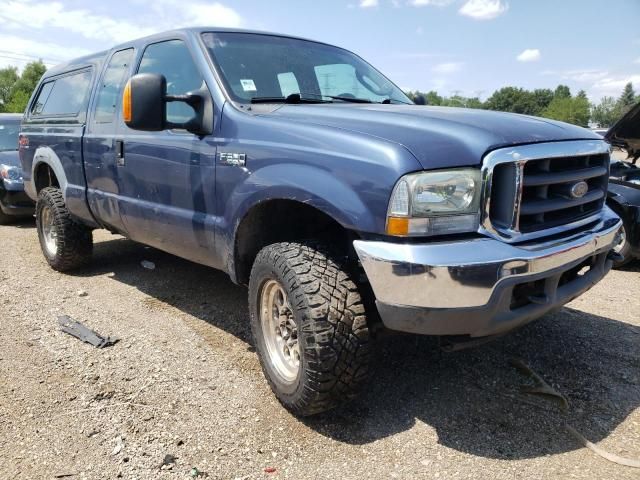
(435, 282)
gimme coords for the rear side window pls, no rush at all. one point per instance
(64, 96)
(114, 77)
(42, 98)
(173, 60)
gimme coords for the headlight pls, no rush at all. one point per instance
(10, 173)
(435, 203)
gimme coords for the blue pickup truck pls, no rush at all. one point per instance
(304, 173)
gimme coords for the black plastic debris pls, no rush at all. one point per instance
(168, 462)
(76, 329)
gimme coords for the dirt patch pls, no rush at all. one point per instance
(184, 384)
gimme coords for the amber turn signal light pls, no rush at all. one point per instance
(126, 103)
(398, 226)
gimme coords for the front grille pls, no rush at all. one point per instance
(535, 194)
(546, 199)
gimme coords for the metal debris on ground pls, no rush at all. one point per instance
(540, 387)
(612, 457)
(148, 265)
(545, 390)
(76, 329)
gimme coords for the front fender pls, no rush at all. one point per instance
(305, 184)
(300, 183)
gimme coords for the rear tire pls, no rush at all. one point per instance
(65, 243)
(319, 319)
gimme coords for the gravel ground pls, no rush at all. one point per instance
(184, 385)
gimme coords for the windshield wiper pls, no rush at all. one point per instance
(349, 99)
(319, 98)
(386, 101)
(293, 98)
(332, 97)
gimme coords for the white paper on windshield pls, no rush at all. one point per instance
(248, 85)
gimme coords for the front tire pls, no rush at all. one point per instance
(65, 243)
(5, 219)
(309, 327)
(623, 247)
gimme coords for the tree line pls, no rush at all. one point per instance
(16, 89)
(558, 104)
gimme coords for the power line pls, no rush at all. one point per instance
(16, 59)
(31, 57)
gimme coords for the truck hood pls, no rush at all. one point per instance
(626, 132)
(437, 136)
(10, 157)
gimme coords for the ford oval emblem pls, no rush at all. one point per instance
(579, 189)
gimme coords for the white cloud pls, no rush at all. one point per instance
(24, 50)
(529, 55)
(612, 85)
(447, 68)
(209, 14)
(434, 3)
(368, 3)
(171, 14)
(584, 75)
(42, 15)
(80, 31)
(483, 9)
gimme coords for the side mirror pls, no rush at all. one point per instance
(144, 105)
(143, 102)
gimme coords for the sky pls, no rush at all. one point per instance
(466, 47)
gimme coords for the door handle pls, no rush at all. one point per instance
(119, 153)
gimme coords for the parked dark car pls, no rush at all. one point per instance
(624, 184)
(14, 203)
(304, 173)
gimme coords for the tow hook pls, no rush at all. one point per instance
(539, 299)
(615, 256)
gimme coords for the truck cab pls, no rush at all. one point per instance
(301, 171)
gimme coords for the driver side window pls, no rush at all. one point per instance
(173, 60)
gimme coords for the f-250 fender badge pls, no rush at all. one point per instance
(235, 159)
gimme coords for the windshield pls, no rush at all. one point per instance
(266, 66)
(9, 131)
